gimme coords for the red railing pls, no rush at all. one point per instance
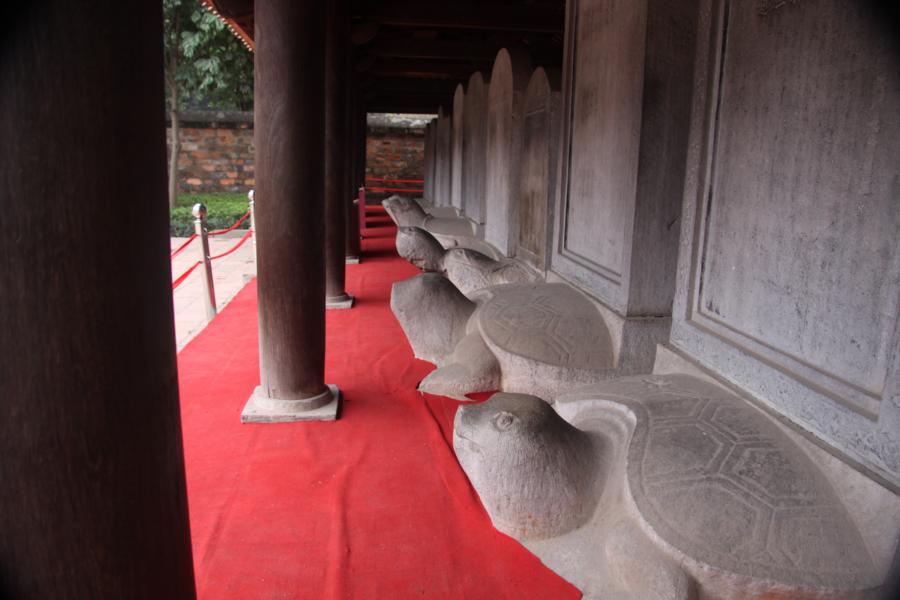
(194, 236)
(406, 190)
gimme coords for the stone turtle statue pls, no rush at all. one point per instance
(469, 270)
(526, 337)
(406, 212)
(662, 487)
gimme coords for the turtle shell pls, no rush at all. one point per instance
(548, 323)
(723, 485)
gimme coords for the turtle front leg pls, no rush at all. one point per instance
(471, 368)
(641, 570)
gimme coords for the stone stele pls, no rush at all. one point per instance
(542, 337)
(662, 487)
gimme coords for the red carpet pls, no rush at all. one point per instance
(373, 505)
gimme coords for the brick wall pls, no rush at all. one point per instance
(216, 152)
(395, 149)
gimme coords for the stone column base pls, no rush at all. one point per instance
(343, 301)
(351, 260)
(262, 409)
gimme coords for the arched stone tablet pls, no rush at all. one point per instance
(456, 148)
(509, 77)
(430, 131)
(539, 158)
(474, 148)
(442, 159)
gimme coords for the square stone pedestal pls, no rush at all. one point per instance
(262, 409)
(345, 301)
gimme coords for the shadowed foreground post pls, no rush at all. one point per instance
(92, 492)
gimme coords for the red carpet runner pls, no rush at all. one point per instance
(371, 506)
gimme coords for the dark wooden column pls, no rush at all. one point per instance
(289, 133)
(92, 489)
(351, 239)
(336, 132)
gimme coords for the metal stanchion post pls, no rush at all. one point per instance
(199, 212)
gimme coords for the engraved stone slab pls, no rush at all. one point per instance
(456, 148)
(443, 162)
(693, 487)
(540, 154)
(474, 148)
(509, 78)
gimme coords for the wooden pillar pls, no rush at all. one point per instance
(351, 239)
(92, 488)
(336, 131)
(290, 210)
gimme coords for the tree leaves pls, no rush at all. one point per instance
(214, 70)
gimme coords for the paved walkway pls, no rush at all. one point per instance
(230, 274)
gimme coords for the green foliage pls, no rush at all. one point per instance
(211, 67)
(222, 211)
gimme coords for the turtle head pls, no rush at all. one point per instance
(405, 212)
(420, 248)
(534, 472)
(503, 419)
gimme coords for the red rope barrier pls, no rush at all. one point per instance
(386, 180)
(235, 247)
(392, 189)
(232, 228)
(184, 275)
(183, 246)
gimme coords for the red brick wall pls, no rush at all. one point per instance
(395, 155)
(216, 155)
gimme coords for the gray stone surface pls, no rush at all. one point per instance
(429, 163)
(538, 174)
(443, 160)
(474, 146)
(432, 313)
(420, 248)
(406, 212)
(509, 78)
(260, 408)
(545, 338)
(691, 491)
(469, 270)
(629, 70)
(456, 148)
(791, 222)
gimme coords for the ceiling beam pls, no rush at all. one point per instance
(435, 49)
(451, 15)
(421, 69)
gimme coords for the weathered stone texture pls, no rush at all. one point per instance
(456, 148)
(629, 72)
(669, 476)
(443, 160)
(539, 162)
(787, 279)
(475, 148)
(509, 77)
